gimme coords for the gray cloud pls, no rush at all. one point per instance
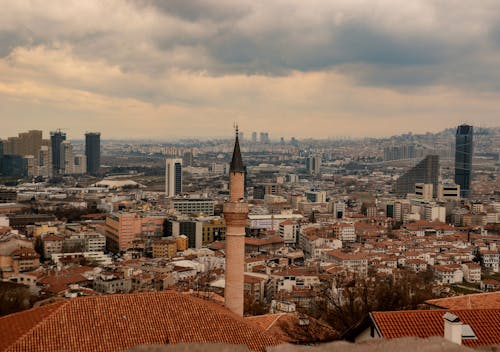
(255, 37)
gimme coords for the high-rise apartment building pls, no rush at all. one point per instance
(26, 143)
(66, 158)
(313, 164)
(44, 165)
(93, 152)
(463, 158)
(426, 171)
(56, 138)
(173, 177)
(264, 137)
(405, 151)
(254, 137)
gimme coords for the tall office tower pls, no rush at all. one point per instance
(66, 158)
(93, 152)
(56, 138)
(426, 171)
(173, 177)
(235, 214)
(264, 137)
(313, 164)
(463, 158)
(254, 137)
(44, 165)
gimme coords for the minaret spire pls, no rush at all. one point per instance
(237, 160)
(235, 214)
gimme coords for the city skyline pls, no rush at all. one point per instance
(147, 69)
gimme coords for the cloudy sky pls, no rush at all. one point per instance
(187, 68)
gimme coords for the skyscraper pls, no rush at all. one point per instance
(426, 171)
(463, 158)
(173, 177)
(93, 152)
(56, 138)
(313, 164)
(235, 214)
(264, 137)
(254, 137)
(66, 158)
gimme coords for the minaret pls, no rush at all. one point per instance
(235, 214)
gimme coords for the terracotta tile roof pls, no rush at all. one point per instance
(426, 323)
(25, 253)
(118, 322)
(288, 328)
(14, 326)
(263, 241)
(490, 300)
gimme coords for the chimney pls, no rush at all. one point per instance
(452, 328)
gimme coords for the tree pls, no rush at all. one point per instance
(254, 307)
(14, 298)
(346, 301)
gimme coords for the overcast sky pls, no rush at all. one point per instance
(187, 68)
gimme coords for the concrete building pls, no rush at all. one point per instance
(26, 143)
(192, 229)
(433, 212)
(235, 214)
(472, 272)
(214, 230)
(264, 137)
(448, 191)
(165, 248)
(44, 166)
(316, 196)
(190, 206)
(424, 190)
(313, 164)
(66, 158)
(289, 230)
(173, 177)
(122, 229)
(254, 137)
(80, 165)
(338, 210)
(345, 232)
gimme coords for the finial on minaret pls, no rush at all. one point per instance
(237, 161)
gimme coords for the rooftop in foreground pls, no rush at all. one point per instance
(120, 322)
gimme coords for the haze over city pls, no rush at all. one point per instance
(163, 69)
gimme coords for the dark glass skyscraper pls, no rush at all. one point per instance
(463, 158)
(93, 152)
(56, 138)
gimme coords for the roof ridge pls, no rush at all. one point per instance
(275, 320)
(41, 322)
(437, 310)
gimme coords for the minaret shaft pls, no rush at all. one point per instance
(235, 214)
